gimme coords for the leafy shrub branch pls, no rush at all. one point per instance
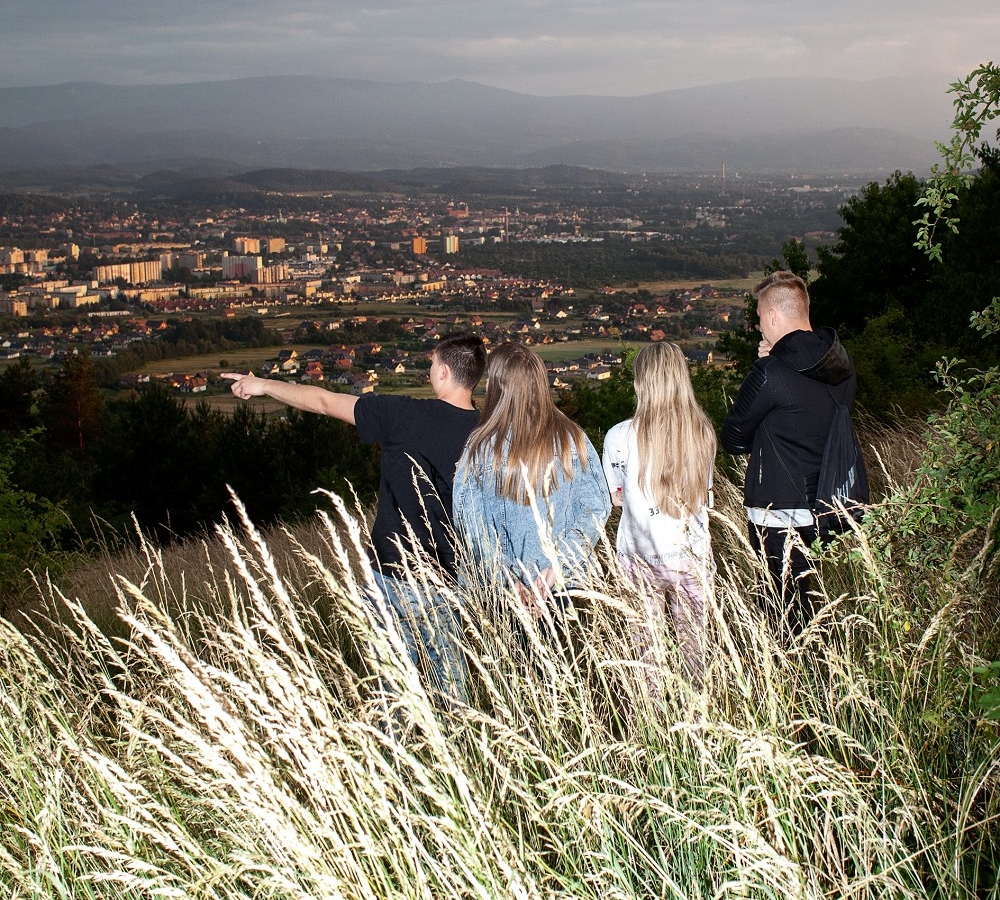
(977, 101)
(945, 525)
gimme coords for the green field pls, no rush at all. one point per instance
(240, 360)
(728, 284)
(575, 349)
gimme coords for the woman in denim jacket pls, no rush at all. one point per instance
(530, 492)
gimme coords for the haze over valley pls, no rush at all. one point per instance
(780, 125)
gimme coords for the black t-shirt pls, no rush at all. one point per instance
(433, 433)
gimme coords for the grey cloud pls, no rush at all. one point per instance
(531, 46)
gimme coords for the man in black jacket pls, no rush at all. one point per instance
(781, 418)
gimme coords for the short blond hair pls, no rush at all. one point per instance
(785, 291)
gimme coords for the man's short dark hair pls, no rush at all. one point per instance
(465, 355)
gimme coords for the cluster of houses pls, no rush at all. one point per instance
(186, 384)
(338, 365)
(357, 366)
(102, 333)
(334, 365)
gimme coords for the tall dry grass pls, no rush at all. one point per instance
(254, 728)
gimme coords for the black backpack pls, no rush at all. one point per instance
(842, 490)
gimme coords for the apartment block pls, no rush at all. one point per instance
(132, 273)
(10, 306)
(191, 260)
(246, 246)
(241, 267)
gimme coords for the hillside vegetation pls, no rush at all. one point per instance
(231, 717)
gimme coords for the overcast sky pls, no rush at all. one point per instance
(544, 47)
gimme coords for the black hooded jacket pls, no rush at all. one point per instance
(782, 417)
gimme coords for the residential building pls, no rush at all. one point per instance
(246, 246)
(132, 273)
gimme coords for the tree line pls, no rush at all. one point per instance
(78, 469)
(898, 311)
(192, 337)
(593, 264)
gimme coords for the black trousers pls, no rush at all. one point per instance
(787, 602)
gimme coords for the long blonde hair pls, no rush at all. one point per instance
(521, 426)
(675, 438)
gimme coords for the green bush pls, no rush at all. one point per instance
(30, 526)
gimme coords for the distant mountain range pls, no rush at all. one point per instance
(821, 126)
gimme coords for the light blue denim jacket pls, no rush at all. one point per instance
(495, 528)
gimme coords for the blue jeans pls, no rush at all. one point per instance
(431, 630)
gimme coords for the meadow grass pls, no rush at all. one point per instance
(247, 724)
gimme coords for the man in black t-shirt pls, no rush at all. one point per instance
(421, 442)
(428, 435)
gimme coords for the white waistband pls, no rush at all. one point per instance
(780, 518)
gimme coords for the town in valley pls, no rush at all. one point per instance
(354, 289)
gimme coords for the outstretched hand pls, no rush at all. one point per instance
(245, 386)
(307, 397)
